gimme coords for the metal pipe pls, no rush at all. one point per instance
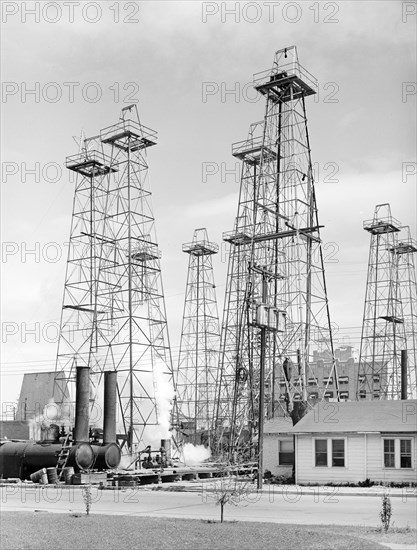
(404, 374)
(82, 403)
(166, 446)
(261, 411)
(110, 397)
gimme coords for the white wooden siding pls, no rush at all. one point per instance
(376, 468)
(307, 472)
(360, 462)
(271, 454)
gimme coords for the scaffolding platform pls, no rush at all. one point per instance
(90, 164)
(290, 82)
(129, 135)
(379, 226)
(145, 253)
(408, 246)
(252, 149)
(200, 248)
(392, 319)
(237, 237)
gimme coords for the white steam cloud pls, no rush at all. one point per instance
(195, 454)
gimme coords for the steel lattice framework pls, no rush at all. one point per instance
(113, 314)
(276, 309)
(405, 256)
(199, 347)
(390, 312)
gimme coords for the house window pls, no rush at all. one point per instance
(389, 453)
(286, 453)
(321, 452)
(405, 453)
(328, 380)
(344, 380)
(338, 453)
(330, 452)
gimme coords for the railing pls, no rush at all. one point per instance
(201, 245)
(292, 69)
(87, 157)
(129, 127)
(383, 221)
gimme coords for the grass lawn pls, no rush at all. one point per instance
(63, 531)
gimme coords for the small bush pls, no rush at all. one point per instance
(386, 512)
(86, 490)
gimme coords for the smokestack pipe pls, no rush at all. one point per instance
(82, 403)
(166, 445)
(404, 374)
(110, 397)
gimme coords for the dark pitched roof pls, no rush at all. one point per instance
(360, 416)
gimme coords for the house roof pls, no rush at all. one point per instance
(277, 425)
(360, 416)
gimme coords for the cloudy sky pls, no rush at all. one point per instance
(73, 66)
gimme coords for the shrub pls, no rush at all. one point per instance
(86, 490)
(386, 512)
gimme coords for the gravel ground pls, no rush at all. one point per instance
(42, 530)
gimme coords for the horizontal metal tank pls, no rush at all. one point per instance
(22, 458)
(107, 456)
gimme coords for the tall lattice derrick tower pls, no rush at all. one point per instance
(276, 309)
(404, 253)
(113, 314)
(389, 319)
(197, 370)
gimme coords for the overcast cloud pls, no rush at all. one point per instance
(178, 60)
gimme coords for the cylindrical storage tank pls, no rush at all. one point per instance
(20, 459)
(11, 459)
(44, 478)
(68, 472)
(52, 475)
(107, 456)
(82, 404)
(110, 398)
(36, 477)
(81, 456)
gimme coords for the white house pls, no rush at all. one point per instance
(278, 446)
(357, 440)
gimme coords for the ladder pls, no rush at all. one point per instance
(63, 456)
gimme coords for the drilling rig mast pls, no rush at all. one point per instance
(113, 313)
(390, 312)
(276, 309)
(199, 346)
